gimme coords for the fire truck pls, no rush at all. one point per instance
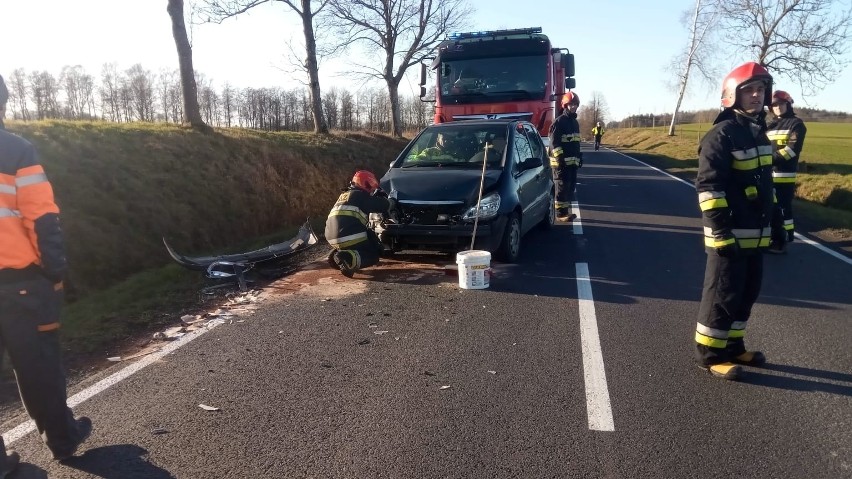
(513, 74)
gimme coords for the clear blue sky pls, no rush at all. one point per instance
(622, 47)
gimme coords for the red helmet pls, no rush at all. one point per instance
(570, 98)
(781, 95)
(366, 181)
(741, 75)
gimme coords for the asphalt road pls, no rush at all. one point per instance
(575, 363)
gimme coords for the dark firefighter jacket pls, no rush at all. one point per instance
(734, 183)
(787, 134)
(30, 238)
(347, 222)
(565, 141)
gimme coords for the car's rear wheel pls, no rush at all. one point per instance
(510, 246)
(550, 217)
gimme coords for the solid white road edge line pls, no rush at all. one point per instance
(801, 237)
(597, 395)
(22, 430)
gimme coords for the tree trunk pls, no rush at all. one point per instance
(396, 121)
(684, 77)
(191, 112)
(313, 68)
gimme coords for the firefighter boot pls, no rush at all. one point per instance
(344, 266)
(84, 430)
(750, 358)
(729, 371)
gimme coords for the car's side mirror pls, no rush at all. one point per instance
(530, 163)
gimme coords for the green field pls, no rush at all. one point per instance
(825, 179)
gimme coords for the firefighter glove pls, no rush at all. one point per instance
(579, 160)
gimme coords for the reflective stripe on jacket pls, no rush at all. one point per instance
(29, 217)
(787, 134)
(734, 182)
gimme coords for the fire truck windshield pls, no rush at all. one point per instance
(488, 80)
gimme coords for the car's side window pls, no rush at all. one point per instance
(521, 147)
(535, 141)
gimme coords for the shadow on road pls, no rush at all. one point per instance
(29, 471)
(122, 461)
(800, 384)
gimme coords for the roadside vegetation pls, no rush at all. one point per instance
(823, 202)
(123, 187)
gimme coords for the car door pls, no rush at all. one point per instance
(525, 180)
(544, 180)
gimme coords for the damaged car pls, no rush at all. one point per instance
(436, 183)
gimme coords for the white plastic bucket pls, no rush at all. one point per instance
(474, 269)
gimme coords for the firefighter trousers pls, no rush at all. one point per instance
(564, 181)
(731, 287)
(783, 228)
(363, 254)
(29, 322)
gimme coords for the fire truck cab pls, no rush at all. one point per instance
(507, 74)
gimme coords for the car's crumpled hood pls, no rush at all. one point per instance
(438, 184)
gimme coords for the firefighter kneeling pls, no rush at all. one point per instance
(355, 245)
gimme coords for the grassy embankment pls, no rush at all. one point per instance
(123, 187)
(823, 202)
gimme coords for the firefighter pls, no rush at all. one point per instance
(355, 245)
(565, 156)
(735, 195)
(598, 131)
(32, 267)
(787, 134)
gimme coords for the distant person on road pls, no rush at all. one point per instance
(355, 245)
(32, 267)
(735, 194)
(787, 134)
(598, 131)
(565, 156)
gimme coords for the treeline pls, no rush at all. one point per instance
(707, 116)
(137, 94)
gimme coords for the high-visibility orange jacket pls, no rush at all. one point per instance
(30, 237)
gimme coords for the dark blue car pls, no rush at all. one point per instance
(436, 182)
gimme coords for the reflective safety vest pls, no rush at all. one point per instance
(734, 182)
(598, 131)
(787, 134)
(29, 218)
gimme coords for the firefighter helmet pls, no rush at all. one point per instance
(741, 76)
(570, 98)
(366, 181)
(781, 95)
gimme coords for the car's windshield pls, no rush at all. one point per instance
(458, 146)
(490, 79)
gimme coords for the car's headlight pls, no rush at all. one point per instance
(488, 208)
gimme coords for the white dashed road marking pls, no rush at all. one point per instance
(597, 394)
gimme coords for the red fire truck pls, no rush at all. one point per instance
(514, 74)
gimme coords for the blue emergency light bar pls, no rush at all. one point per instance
(495, 33)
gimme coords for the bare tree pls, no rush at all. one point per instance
(19, 92)
(220, 10)
(594, 110)
(192, 114)
(704, 19)
(401, 33)
(802, 40)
